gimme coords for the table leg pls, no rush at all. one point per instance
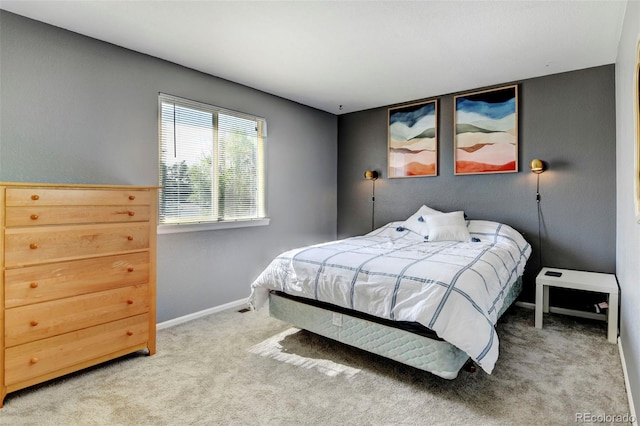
(546, 299)
(612, 318)
(540, 290)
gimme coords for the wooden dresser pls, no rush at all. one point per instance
(78, 281)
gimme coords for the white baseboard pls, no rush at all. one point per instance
(527, 305)
(200, 314)
(632, 407)
(565, 311)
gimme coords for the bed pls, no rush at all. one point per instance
(426, 292)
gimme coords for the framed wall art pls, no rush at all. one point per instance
(486, 131)
(637, 134)
(413, 140)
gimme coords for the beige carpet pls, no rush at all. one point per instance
(238, 369)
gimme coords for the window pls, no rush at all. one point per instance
(211, 166)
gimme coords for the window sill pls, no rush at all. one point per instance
(196, 227)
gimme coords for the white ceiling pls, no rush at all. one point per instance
(358, 54)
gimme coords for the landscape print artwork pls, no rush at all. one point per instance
(413, 140)
(486, 131)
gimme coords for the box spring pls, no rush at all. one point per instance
(408, 343)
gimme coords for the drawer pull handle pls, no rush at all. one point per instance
(35, 197)
(33, 323)
(129, 302)
(34, 217)
(33, 246)
(33, 285)
(34, 360)
(132, 197)
(130, 213)
(129, 333)
(130, 269)
(130, 238)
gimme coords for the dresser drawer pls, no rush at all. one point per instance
(75, 197)
(41, 283)
(28, 246)
(61, 215)
(31, 322)
(46, 356)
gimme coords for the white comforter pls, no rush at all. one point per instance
(454, 288)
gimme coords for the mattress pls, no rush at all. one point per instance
(395, 342)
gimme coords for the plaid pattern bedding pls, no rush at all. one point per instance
(454, 288)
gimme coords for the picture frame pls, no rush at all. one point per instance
(486, 131)
(636, 115)
(412, 149)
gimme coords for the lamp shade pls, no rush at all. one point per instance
(371, 175)
(537, 166)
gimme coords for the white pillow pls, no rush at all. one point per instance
(418, 225)
(447, 227)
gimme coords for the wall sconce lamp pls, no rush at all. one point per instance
(538, 166)
(372, 175)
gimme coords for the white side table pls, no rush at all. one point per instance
(579, 280)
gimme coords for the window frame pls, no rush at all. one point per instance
(207, 225)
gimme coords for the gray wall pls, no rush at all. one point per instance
(77, 110)
(567, 119)
(628, 225)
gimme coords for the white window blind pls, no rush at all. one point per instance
(211, 163)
